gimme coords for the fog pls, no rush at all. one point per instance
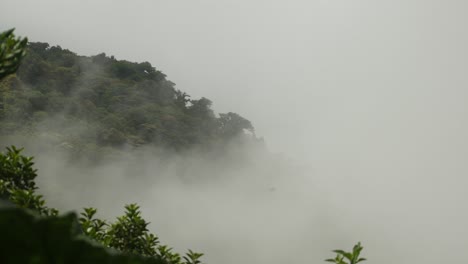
(362, 103)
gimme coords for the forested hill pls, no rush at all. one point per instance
(96, 102)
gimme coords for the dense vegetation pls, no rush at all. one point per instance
(96, 103)
(27, 238)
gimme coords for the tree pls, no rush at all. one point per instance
(181, 99)
(12, 51)
(232, 124)
(17, 170)
(17, 183)
(201, 108)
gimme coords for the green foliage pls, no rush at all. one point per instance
(17, 183)
(30, 200)
(166, 253)
(343, 257)
(113, 103)
(130, 234)
(93, 227)
(17, 169)
(27, 238)
(232, 125)
(12, 51)
(193, 257)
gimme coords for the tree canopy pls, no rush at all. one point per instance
(98, 102)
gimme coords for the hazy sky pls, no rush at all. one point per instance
(371, 94)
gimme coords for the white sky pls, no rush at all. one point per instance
(373, 92)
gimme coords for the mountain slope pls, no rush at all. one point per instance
(91, 103)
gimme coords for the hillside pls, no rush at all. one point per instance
(90, 104)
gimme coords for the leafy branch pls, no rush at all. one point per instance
(12, 51)
(351, 257)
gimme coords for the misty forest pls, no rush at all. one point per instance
(118, 105)
(331, 127)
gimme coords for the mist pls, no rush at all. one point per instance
(362, 105)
